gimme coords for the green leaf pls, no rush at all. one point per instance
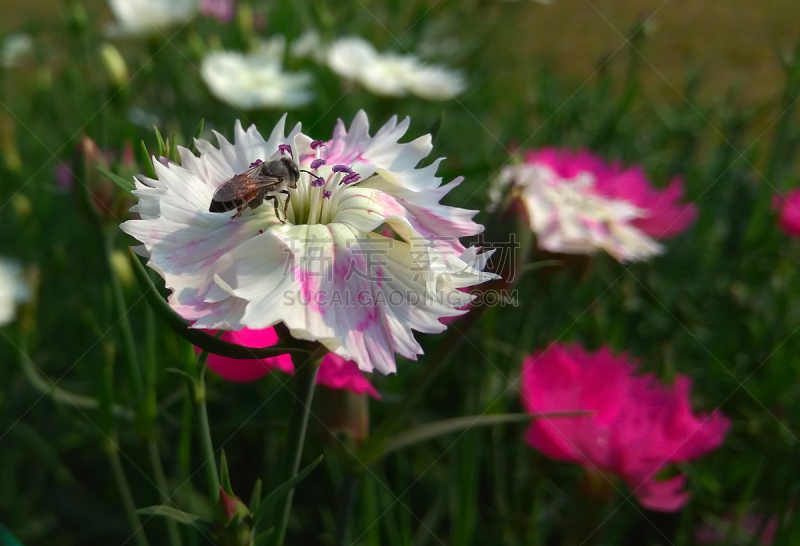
(123, 183)
(262, 538)
(197, 135)
(180, 372)
(283, 489)
(437, 125)
(172, 150)
(162, 148)
(533, 266)
(201, 339)
(7, 539)
(224, 477)
(255, 498)
(174, 514)
(143, 156)
(440, 428)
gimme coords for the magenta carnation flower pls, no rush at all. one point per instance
(334, 372)
(788, 208)
(637, 428)
(578, 203)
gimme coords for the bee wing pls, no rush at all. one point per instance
(242, 187)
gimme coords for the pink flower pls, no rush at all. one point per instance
(788, 208)
(577, 203)
(638, 425)
(665, 215)
(335, 372)
(221, 10)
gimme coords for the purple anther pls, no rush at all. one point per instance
(317, 182)
(256, 163)
(316, 144)
(350, 178)
(285, 148)
(326, 194)
(317, 163)
(342, 169)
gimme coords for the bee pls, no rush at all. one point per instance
(264, 180)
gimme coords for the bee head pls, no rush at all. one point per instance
(294, 171)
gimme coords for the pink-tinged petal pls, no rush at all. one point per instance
(638, 425)
(662, 496)
(337, 373)
(242, 371)
(788, 207)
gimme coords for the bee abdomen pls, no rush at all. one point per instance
(224, 206)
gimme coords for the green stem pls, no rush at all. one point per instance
(47, 386)
(163, 490)
(206, 445)
(127, 497)
(128, 344)
(348, 502)
(305, 379)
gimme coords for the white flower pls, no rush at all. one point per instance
(568, 216)
(14, 48)
(142, 17)
(256, 80)
(332, 272)
(391, 74)
(308, 45)
(13, 290)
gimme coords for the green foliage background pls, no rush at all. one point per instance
(721, 305)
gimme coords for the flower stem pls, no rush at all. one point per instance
(163, 490)
(206, 445)
(127, 497)
(129, 347)
(305, 379)
(348, 502)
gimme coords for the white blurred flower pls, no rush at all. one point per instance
(568, 216)
(328, 273)
(390, 74)
(143, 17)
(256, 80)
(14, 48)
(13, 290)
(308, 46)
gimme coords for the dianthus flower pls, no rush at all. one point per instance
(637, 427)
(579, 204)
(325, 270)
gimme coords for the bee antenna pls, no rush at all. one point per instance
(309, 172)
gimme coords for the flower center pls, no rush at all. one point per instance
(319, 188)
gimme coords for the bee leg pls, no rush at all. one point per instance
(239, 211)
(274, 199)
(286, 203)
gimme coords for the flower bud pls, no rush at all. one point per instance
(121, 266)
(114, 65)
(344, 411)
(232, 521)
(22, 205)
(107, 200)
